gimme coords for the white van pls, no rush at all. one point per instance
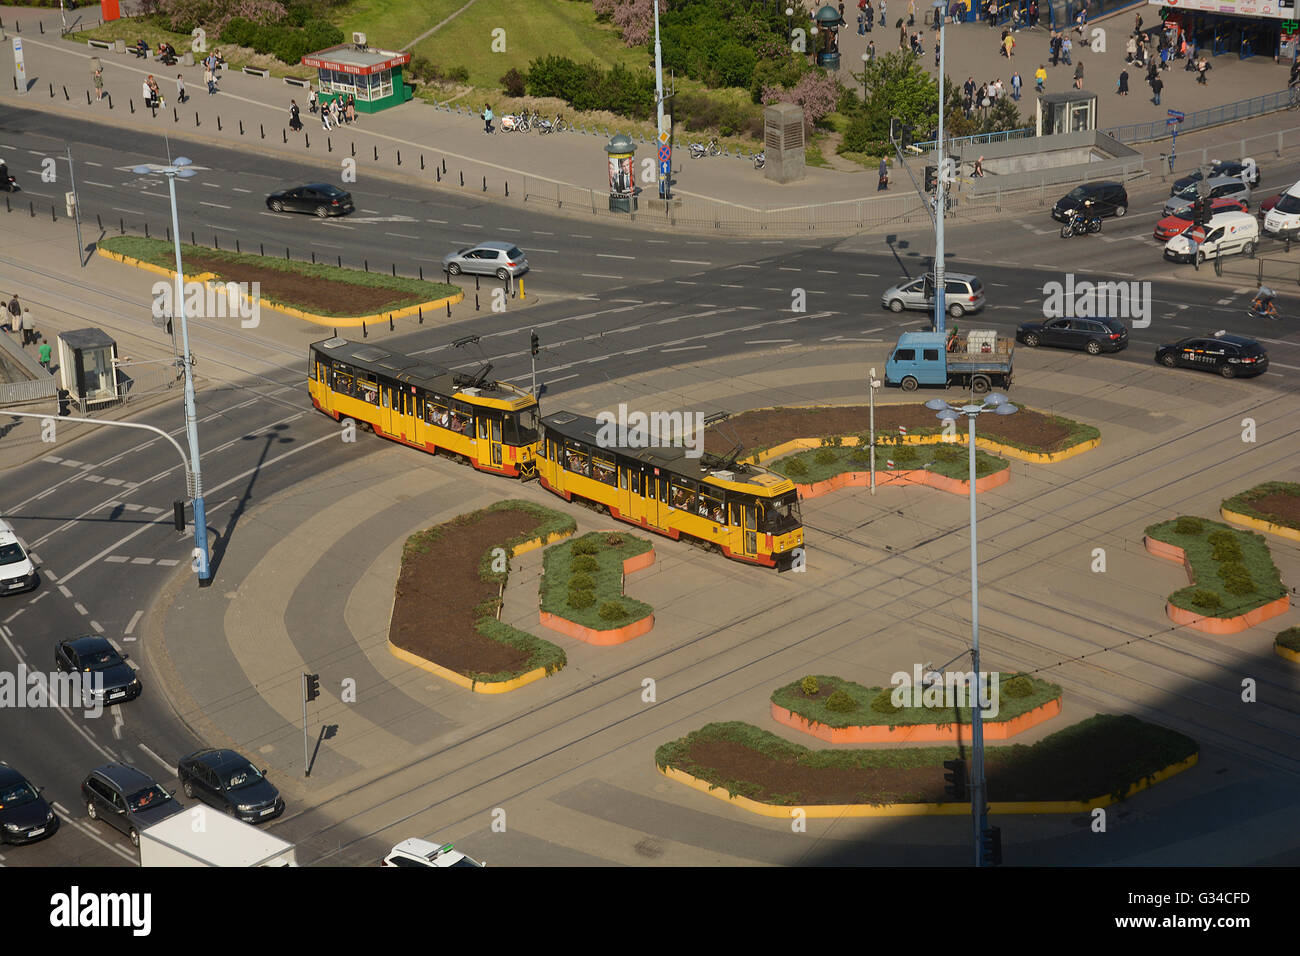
(1225, 234)
(17, 573)
(1283, 220)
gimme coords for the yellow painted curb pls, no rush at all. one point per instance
(533, 544)
(460, 680)
(1259, 524)
(1292, 656)
(354, 322)
(823, 811)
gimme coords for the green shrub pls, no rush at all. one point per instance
(1017, 687)
(583, 546)
(1236, 578)
(612, 611)
(841, 702)
(795, 467)
(1290, 639)
(614, 540)
(860, 455)
(824, 456)
(582, 582)
(809, 686)
(581, 599)
(584, 562)
(881, 703)
(1226, 549)
(1222, 536)
(1189, 525)
(948, 452)
(904, 455)
(1205, 599)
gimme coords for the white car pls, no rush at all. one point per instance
(416, 852)
(17, 572)
(1283, 220)
(1224, 234)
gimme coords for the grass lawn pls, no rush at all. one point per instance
(1207, 570)
(611, 550)
(1105, 754)
(533, 29)
(313, 287)
(949, 460)
(391, 24)
(793, 699)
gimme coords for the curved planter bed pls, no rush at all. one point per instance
(915, 733)
(1206, 623)
(918, 476)
(606, 637)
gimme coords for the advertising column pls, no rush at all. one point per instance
(622, 184)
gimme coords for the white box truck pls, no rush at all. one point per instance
(201, 836)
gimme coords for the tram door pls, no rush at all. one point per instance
(386, 408)
(657, 499)
(489, 433)
(745, 517)
(403, 402)
(629, 490)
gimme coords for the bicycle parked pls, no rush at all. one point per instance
(698, 149)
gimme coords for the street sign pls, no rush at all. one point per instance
(665, 168)
(20, 71)
(1176, 114)
(665, 154)
(663, 139)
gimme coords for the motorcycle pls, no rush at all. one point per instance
(1079, 225)
(698, 149)
(9, 184)
(760, 160)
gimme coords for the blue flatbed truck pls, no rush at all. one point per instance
(980, 360)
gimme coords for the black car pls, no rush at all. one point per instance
(1092, 335)
(1103, 199)
(127, 799)
(96, 659)
(1218, 167)
(229, 782)
(1231, 356)
(320, 198)
(24, 814)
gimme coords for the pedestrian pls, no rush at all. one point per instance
(884, 15)
(871, 50)
(1202, 67)
(181, 95)
(1033, 13)
(842, 14)
(336, 111)
(311, 102)
(44, 352)
(1040, 78)
(936, 54)
(487, 119)
(993, 13)
(979, 168)
(1054, 45)
(902, 39)
(295, 123)
(883, 182)
(99, 83)
(1078, 75)
(1122, 88)
(325, 117)
(1065, 50)
(1009, 45)
(1157, 85)
(1015, 85)
(210, 79)
(862, 24)
(911, 13)
(1130, 49)
(1081, 21)
(16, 310)
(1137, 28)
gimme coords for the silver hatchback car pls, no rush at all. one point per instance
(500, 259)
(962, 294)
(1220, 187)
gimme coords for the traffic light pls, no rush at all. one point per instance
(313, 686)
(991, 850)
(931, 178)
(178, 514)
(534, 344)
(955, 779)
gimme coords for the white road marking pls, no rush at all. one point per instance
(117, 723)
(685, 348)
(610, 255)
(766, 341)
(64, 591)
(215, 205)
(117, 559)
(134, 619)
(562, 378)
(594, 275)
(170, 767)
(95, 625)
(690, 262)
(14, 614)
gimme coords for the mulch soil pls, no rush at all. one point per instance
(765, 428)
(308, 293)
(1282, 508)
(439, 590)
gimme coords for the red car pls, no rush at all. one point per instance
(1268, 204)
(1172, 226)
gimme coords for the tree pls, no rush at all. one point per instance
(897, 87)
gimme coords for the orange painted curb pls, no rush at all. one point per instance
(1292, 656)
(862, 479)
(1205, 623)
(915, 733)
(616, 635)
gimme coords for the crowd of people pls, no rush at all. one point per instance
(24, 329)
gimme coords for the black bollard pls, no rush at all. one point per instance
(241, 127)
(394, 270)
(99, 223)
(507, 189)
(422, 315)
(340, 258)
(51, 91)
(67, 98)
(354, 148)
(146, 230)
(376, 154)
(306, 139)
(313, 257)
(485, 184)
(169, 233)
(399, 157)
(462, 177)
(329, 145)
(439, 172)
(262, 129)
(285, 134)
(261, 249)
(176, 117)
(131, 103)
(390, 322)
(421, 268)
(218, 124)
(444, 164)
(192, 242)
(365, 334)
(121, 225)
(366, 263)
(87, 96)
(196, 119)
(476, 283)
(215, 243)
(53, 218)
(476, 308)
(237, 249)
(286, 253)
(422, 160)
(449, 308)
(109, 97)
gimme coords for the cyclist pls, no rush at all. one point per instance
(1262, 304)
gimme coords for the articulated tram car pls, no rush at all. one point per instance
(491, 424)
(746, 512)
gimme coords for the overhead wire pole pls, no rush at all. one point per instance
(940, 309)
(97, 421)
(76, 211)
(665, 170)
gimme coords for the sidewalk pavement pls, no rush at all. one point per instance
(565, 166)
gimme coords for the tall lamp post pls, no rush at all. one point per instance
(180, 167)
(998, 405)
(940, 307)
(866, 59)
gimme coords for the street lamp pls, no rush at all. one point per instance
(940, 306)
(873, 383)
(998, 405)
(866, 58)
(180, 167)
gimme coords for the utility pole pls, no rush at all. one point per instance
(871, 392)
(533, 347)
(76, 209)
(940, 308)
(665, 148)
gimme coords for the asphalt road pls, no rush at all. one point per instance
(613, 304)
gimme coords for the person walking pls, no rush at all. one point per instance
(1157, 85)
(1015, 85)
(911, 13)
(1122, 88)
(325, 117)
(1054, 47)
(883, 181)
(1040, 78)
(936, 54)
(147, 93)
(871, 51)
(311, 102)
(1009, 45)
(1078, 75)
(1202, 67)
(295, 122)
(16, 310)
(487, 119)
(979, 168)
(29, 328)
(99, 83)
(1033, 13)
(210, 79)
(1065, 50)
(44, 353)
(181, 95)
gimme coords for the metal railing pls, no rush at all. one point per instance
(33, 390)
(979, 139)
(1203, 119)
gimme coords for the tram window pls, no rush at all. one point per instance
(340, 382)
(385, 395)
(682, 495)
(780, 514)
(367, 389)
(576, 459)
(622, 478)
(602, 469)
(711, 508)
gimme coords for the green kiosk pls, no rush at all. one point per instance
(373, 77)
